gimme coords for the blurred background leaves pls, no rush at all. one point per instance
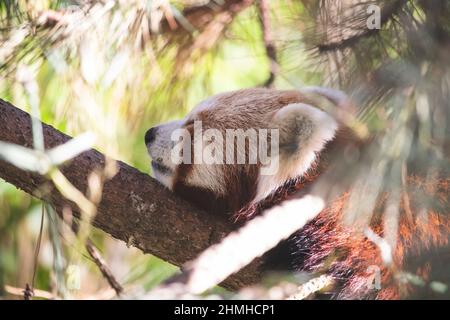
(118, 67)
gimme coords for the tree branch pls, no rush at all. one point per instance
(134, 208)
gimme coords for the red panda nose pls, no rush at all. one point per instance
(150, 135)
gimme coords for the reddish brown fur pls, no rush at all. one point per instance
(241, 180)
(325, 244)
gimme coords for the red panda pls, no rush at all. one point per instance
(309, 137)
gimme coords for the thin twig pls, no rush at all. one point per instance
(264, 16)
(97, 259)
(103, 267)
(36, 255)
(101, 295)
(36, 292)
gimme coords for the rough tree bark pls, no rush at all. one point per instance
(134, 208)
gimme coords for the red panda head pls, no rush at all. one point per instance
(258, 140)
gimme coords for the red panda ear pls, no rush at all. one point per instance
(303, 131)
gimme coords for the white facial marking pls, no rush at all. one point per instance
(160, 152)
